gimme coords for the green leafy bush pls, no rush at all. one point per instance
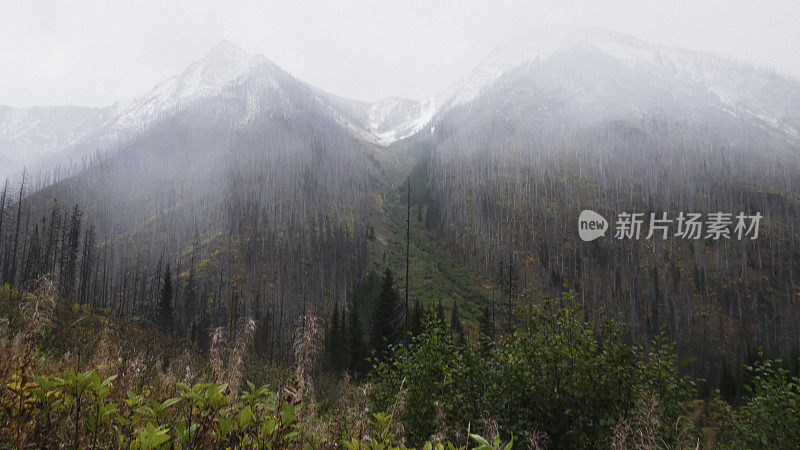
(770, 418)
(436, 382)
(556, 377)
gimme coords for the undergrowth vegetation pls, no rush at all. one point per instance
(557, 381)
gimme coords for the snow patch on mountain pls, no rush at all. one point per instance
(42, 137)
(743, 90)
(204, 78)
(390, 118)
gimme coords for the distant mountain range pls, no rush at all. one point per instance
(41, 138)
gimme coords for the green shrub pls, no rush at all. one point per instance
(436, 382)
(770, 418)
(555, 377)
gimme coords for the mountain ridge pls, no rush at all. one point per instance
(763, 94)
(40, 138)
(24, 129)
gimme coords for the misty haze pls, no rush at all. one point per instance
(582, 239)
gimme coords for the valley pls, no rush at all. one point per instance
(236, 224)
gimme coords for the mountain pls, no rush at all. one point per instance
(202, 79)
(743, 90)
(254, 185)
(594, 120)
(29, 135)
(43, 138)
(393, 116)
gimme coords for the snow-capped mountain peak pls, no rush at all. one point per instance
(203, 78)
(40, 137)
(741, 89)
(539, 44)
(529, 47)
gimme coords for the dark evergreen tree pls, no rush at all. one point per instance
(355, 341)
(485, 323)
(386, 322)
(165, 301)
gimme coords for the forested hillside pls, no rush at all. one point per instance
(252, 204)
(238, 259)
(510, 172)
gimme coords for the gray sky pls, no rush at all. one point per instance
(95, 52)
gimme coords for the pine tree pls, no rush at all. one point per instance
(165, 302)
(386, 320)
(355, 340)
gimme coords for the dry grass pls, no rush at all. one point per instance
(536, 440)
(19, 355)
(215, 362)
(306, 346)
(646, 433)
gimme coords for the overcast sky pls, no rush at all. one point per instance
(95, 52)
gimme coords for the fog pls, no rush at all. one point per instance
(95, 52)
(245, 193)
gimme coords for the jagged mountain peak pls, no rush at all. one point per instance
(40, 139)
(224, 62)
(205, 77)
